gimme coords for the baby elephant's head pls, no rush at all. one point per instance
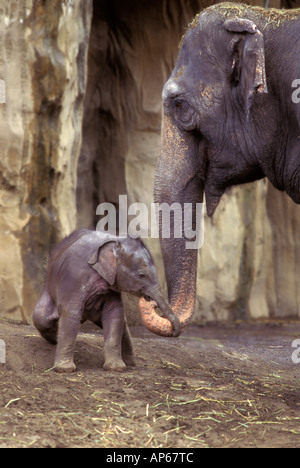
(136, 272)
(126, 264)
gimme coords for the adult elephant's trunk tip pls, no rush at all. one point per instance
(154, 322)
(160, 325)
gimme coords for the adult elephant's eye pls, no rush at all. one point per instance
(179, 106)
(184, 114)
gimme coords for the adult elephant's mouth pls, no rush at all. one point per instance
(212, 201)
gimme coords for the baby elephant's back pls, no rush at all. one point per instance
(68, 262)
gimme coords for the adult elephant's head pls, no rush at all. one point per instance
(210, 140)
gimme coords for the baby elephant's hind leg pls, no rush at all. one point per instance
(45, 317)
(127, 347)
(69, 325)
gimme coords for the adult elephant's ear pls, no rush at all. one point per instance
(248, 59)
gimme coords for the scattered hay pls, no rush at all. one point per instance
(197, 397)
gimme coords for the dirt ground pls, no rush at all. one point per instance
(215, 386)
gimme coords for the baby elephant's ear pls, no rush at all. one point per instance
(105, 263)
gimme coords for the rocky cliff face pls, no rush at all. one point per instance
(43, 48)
(81, 125)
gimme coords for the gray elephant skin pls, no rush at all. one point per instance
(86, 273)
(229, 117)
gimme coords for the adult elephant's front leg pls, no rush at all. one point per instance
(68, 329)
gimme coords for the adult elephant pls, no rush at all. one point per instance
(230, 116)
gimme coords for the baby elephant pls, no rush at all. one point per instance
(86, 273)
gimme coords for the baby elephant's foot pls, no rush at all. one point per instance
(116, 365)
(66, 367)
(129, 360)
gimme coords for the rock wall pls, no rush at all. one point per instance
(43, 48)
(250, 261)
(81, 125)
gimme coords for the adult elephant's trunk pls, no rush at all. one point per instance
(177, 183)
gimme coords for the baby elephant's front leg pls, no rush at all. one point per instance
(115, 331)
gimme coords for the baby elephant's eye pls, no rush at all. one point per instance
(141, 275)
